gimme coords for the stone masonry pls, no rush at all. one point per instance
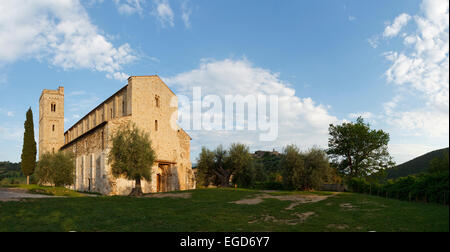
(145, 101)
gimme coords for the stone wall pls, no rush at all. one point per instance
(112, 108)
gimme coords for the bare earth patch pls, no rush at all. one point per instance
(347, 206)
(296, 199)
(337, 226)
(301, 217)
(169, 195)
(304, 216)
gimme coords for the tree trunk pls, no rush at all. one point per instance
(137, 190)
(28, 180)
(225, 182)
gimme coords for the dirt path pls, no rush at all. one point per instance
(15, 194)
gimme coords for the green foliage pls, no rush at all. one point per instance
(205, 163)
(305, 171)
(357, 150)
(317, 169)
(260, 173)
(292, 164)
(418, 165)
(10, 170)
(132, 155)
(439, 164)
(268, 171)
(241, 161)
(57, 169)
(220, 166)
(271, 164)
(432, 187)
(29, 151)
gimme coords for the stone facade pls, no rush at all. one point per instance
(51, 120)
(148, 103)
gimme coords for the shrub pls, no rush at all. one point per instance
(305, 171)
(56, 169)
(424, 187)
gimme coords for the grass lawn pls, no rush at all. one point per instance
(211, 210)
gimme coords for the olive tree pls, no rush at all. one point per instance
(305, 170)
(219, 166)
(132, 156)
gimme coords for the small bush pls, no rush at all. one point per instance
(57, 169)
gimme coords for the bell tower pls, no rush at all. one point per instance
(51, 120)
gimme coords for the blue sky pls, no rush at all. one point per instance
(385, 60)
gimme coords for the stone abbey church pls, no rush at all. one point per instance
(145, 101)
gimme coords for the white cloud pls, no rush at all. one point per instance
(5, 112)
(59, 31)
(405, 152)
(186, 14)
(129, 7)
(422, 69)
(301, 121)
(11, 133)
(164, 13)
(93, 2)
(374, 41)
(118, 76)
(351, 18)
(399, 22)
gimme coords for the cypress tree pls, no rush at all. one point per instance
(29, 147)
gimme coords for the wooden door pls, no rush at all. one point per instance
(158, 182)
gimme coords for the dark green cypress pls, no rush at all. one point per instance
(29, 147)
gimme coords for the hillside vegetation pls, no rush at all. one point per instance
(10, 170)
(416, 165)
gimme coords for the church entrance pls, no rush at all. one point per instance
(161, 178)
(164, 176)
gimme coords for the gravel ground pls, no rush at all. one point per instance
(14, 194)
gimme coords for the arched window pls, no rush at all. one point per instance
(156, 125)
(53, 107)
(53, 127)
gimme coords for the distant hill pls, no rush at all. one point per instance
(417, 165)
(8, 169)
